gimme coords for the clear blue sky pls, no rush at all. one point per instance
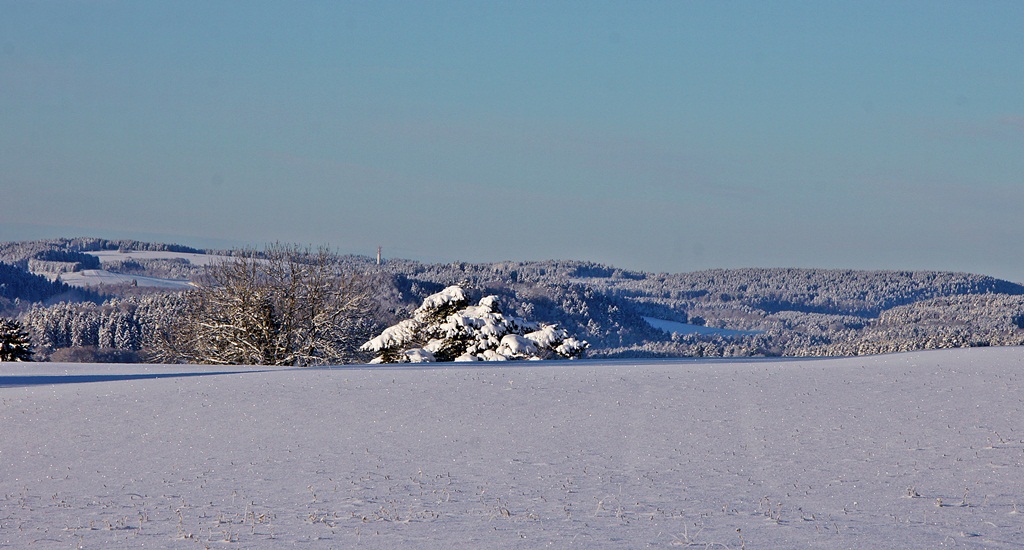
(664, 136)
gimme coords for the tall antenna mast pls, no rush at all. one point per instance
(378, 255)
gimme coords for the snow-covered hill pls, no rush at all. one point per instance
(674, 327)
(90, 278)
(95, 277)
(914, 450)
(711, 313)
(115, 256)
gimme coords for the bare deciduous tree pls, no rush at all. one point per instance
(283, 306)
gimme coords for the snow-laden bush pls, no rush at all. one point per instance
(446, 328)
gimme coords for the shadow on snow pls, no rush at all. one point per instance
(8, 381)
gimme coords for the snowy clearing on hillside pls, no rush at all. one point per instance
(111, 256)
(95, 277)
(913, 450)
(675, 327)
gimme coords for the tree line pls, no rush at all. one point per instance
(270, 315)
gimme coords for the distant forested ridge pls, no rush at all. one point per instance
(794, 312)
(19, 289)
(784, 312)
(20, 252)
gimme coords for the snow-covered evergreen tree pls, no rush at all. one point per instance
(14, 342)
(446, 328)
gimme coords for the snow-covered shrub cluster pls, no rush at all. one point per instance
(446, 328)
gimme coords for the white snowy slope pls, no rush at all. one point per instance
(675, 327)
(96, 277)
(108, 256)
(917, 450)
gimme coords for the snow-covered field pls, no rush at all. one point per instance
(96, 277)
(915, 450)
(675, 327)
(108, 256)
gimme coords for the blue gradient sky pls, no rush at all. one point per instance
(664, 136)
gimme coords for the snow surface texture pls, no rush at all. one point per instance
(917, 450)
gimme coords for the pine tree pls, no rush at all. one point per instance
(15, 344)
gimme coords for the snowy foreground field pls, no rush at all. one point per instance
(917, 450)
